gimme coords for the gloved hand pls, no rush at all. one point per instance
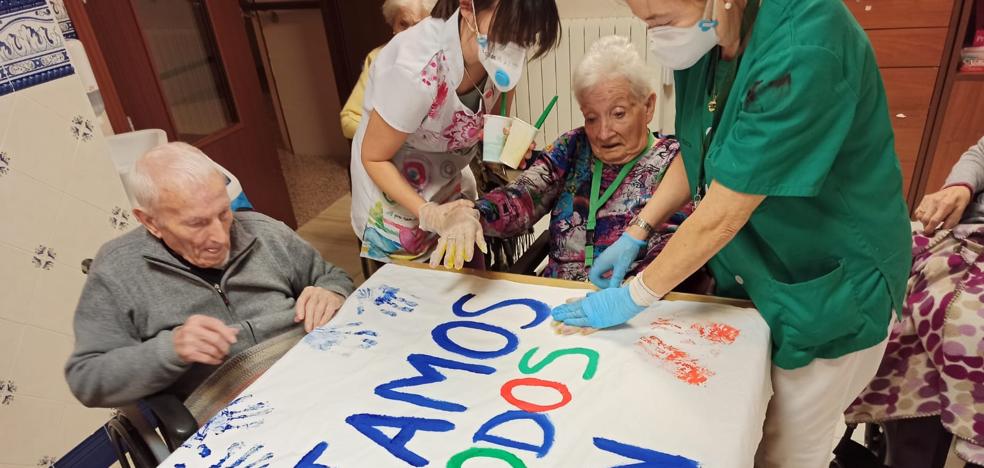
(608, 307)
(617, 258)
(431, 216)
(460, 230)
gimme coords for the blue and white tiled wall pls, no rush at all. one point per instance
(60, 199)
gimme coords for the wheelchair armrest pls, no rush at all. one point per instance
(174, 420)
(527, 263)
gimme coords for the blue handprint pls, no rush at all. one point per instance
(239, 414)
(236, 457)
(384, 299)
(328, 338)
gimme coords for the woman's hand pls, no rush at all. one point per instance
(946, 206)
(601, 309)
(460, 230)
(617, 259)
(526, 157)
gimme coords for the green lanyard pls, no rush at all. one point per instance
(717, 96)
(596, 201)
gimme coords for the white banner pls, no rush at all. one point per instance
(429, 368)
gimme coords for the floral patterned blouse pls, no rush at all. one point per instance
(559, 182)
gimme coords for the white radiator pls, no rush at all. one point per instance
(551, 75)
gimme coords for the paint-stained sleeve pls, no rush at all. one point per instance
(793, 119)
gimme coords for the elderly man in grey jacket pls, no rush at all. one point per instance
(196, 284)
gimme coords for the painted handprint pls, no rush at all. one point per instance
(341, 338)
(386, 300)
(709, 336)
(238, 456)
(241, 413)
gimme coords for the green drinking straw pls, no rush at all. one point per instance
(546, 112)
(502, 105)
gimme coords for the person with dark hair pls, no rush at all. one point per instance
(424, 109)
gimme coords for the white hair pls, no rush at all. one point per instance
(174, 166)
(393, 8)
(613, 57)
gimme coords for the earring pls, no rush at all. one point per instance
(728, 5)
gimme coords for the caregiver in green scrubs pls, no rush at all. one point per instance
(788, 153)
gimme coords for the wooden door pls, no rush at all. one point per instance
(185, 66)
(353, 28)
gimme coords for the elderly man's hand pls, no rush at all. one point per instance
(946, 206)
(316, 307)
(203, 339)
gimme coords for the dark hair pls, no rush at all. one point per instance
(529, 23)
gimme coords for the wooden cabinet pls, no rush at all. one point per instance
(962, 126)
(893, 14)
(959, 121)
(909, 92)
(913, 40)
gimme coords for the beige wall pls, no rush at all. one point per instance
(592, 8)
(301, 71)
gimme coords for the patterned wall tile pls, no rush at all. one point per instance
(8, 392)
(28, 208)
(96, 180)
(55, 311)
(91, 227)
(10, 338)
(8, 103)
(38, 368)
(29, 431)
(42, 143)
(18, 277)
(32, 49)
(65, 97)
(80, 422)
(61, 16)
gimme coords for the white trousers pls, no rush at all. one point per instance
(807, 406)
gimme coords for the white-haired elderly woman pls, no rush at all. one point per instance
(615, 150)
(399, 15)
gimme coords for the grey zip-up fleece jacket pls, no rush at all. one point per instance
(970, 170)
(137, 293)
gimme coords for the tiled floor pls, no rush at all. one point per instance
(313, 183)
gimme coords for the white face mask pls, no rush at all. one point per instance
(680, 48)
(503, 62)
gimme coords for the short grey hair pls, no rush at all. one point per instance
(171, 166)
(613, 57)
(392, 8)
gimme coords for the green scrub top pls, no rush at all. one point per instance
(826, 256)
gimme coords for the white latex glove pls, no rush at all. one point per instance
(460, 231)
(432, 217)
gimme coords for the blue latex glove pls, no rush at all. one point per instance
(602, 309)
(617, 258)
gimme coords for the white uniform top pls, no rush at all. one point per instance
(412, 86)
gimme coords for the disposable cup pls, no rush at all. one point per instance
(521, 135)
(494, 137)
